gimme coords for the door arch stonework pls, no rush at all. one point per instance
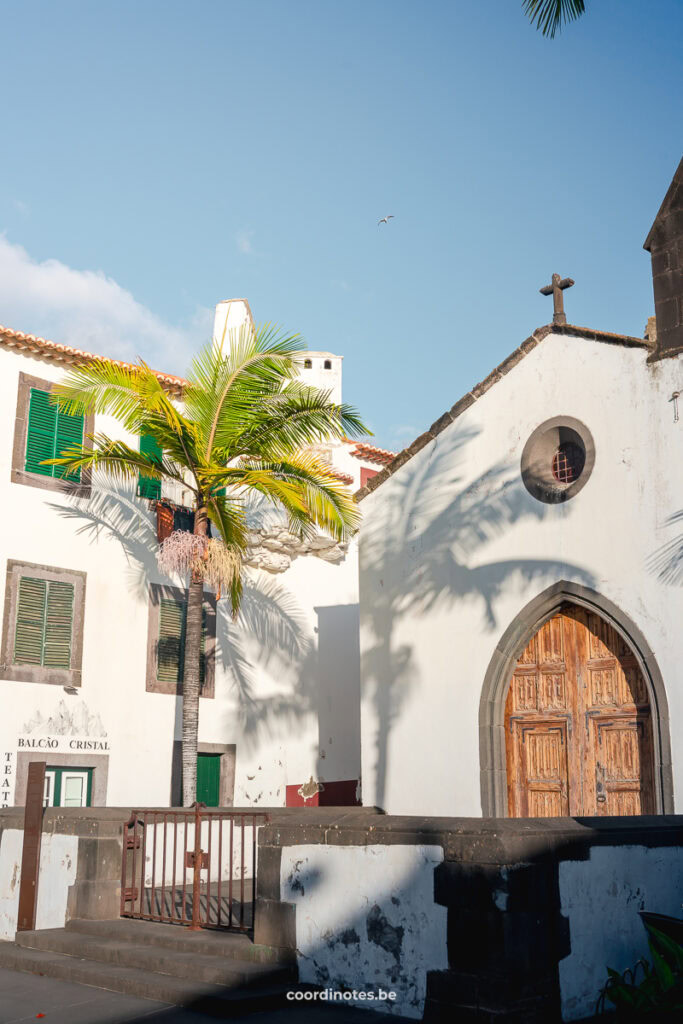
(512, 645)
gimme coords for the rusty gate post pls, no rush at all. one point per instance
(30, 856)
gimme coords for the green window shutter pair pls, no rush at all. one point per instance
(148, 488)
(44, 626)
(171, 641)
(50, 432)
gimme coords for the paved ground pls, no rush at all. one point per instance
(29, 997)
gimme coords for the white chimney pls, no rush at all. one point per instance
(231, 314)
(323, 370)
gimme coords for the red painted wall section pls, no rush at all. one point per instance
(333, 794)
(367, 474)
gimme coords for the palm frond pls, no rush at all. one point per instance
(229, 518)
(102, 387)
(117, 459)
(550, 15)
(223, 388)
(304, 487)
(295, 418)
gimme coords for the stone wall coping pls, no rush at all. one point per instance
(484, 840)
(363, 826)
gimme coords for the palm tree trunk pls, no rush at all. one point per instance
(191, 673)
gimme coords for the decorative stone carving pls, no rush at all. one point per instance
(275, 548)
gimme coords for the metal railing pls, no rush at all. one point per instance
(194, 867)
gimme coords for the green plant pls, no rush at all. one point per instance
(650, 990)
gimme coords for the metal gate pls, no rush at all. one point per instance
(194, 867)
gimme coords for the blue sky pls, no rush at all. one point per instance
(161, 156)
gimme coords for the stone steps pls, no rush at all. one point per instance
(169, 936)
(208, 971)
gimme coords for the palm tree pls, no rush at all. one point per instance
(246, 427)
(550, 15)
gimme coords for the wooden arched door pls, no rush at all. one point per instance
(578, 724)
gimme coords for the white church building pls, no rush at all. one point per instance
(521, 580)
(86, 613)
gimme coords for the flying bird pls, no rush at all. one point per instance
(385, 220)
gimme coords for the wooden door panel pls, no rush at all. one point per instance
(552, 694)
(631, 689)
(524, 691)
(540, 768)
(551, 640)
(622, 759)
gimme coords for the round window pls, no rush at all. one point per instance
(558, 459)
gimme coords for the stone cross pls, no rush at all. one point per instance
(555, 289)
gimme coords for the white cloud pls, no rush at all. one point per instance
(89, 310)
(243, 241)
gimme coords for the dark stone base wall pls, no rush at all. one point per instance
(500, 884)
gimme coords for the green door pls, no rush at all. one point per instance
(208, 779)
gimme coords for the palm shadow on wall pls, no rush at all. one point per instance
(666, 563)
(425, 554)
(268, 633)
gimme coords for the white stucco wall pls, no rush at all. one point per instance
(366, 920)
(601, 898)
(58, 861)
(282, 695)
(453, 547)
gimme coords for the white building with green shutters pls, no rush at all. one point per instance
(92, 634)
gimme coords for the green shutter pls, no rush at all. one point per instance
(171, 641)
(58, 625)
(50, 433)
(69, 435)
(42, 427)
(30, 628)
(148, 488)
(44, 623)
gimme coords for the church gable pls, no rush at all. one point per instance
(468, 399)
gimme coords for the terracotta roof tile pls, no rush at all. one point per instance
(343, 478)
(67, 354)
(370, 453)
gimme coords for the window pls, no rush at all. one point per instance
(148, 488)
(68, 787)
(42, 432)
(327, 365)
(50, 432)
(308, 364)
(558, 459)
(166, 641)
(171, 640)
(43, 624)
